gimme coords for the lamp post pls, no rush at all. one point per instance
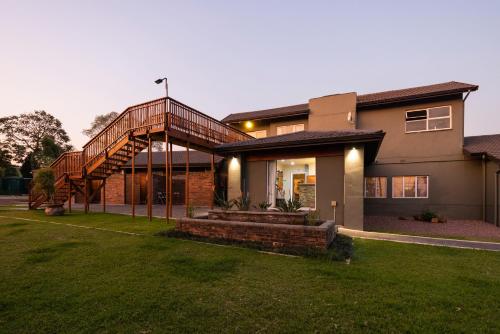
(159, 81)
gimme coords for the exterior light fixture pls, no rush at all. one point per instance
(249, 125)
(159, 81)
(292, 163)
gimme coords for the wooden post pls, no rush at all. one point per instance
(86, 194)
(170, 201)
(133, 177)
(150, 180)
(186, 195)
(104, 195)
(167, 179)
(69, 196)
(212, 175)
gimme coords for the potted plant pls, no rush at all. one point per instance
(44, 182)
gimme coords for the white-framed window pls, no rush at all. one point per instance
(283, 129)
(258, 133)
(410, 186)
(430, 119)
(375, 187)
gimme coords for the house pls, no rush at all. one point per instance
(395, 153)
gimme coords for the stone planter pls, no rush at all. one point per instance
(54, 210)
(269, 217)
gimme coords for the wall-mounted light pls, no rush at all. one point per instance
(353, 154)
(234, 164)
(292, 163)
(249, 125)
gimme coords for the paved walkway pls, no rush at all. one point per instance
(410, 239)
(178, 211)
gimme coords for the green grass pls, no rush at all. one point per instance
(59, 278)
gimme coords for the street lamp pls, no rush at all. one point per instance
(159, 81)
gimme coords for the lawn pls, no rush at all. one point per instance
(61, 278)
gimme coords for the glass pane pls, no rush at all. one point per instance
(397, 186)
(299, 127)
(409, 184)
(382, 187)
(416, 125)
(419, 114)
(370, 187)
(439, 112)
(440, 123)
(422, 186)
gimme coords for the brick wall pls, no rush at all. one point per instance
(115, 189)
(200, 188)
(293, 218)
(275, 235)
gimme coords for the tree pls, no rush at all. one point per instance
(99, 123)
(26, 133)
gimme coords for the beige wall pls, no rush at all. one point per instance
(271, 125)
(331, 112)
(330, 187)
(353, 187)
(399, 146)
(256, 176)
(233, 178)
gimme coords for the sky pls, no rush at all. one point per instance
(79, 59)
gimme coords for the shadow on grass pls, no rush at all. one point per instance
(203, 270)
(13, 225)
(46, 254)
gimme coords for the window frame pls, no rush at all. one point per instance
(293, 127)
(416, 187)
(427, 119)
(381, 177)
(255, 131)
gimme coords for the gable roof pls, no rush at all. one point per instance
(365, 100)
(487, 144)
(196, 158)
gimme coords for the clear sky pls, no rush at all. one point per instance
(77, 59)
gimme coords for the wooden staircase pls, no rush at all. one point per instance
(128, 135)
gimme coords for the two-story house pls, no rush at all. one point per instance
(390, 153)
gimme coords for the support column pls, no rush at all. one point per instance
(167, 179)
(353, 187)
(69, 196)
(86, 195)
(150, 180)
(212, 175)
(234, 178)
(104, 195)
(186, 195)
(170, 180)
(133, 177)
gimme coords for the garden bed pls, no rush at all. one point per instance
(266, 217)
(274, 235)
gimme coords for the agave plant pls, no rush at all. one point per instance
(291, 205)
(242, 202)
(264, 205)
(223, 203)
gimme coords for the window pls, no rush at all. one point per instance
(281, 130)
(376, 187)
(258, 133)
(430, 119)
(292, 179)
(410, 187)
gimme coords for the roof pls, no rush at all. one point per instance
(196, 158)
(487, 144)
(415, 93)
(295, 110)
(365, 100)
(302, 138)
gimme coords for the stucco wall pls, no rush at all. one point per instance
(271, 125)
(329, 113)
(455, 189)
(353, 187)
(330, 187)
(257, 181)
(399, 146)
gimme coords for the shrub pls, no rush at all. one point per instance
(263, 206)
(242, 202)
(44, 182)
(342, 248)
(223, 203)
(292, 205)
(190, 211)
(427, 215)
(312, 217)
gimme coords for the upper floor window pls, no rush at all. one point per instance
(281, 130)
(430, 119)
(258, 133)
